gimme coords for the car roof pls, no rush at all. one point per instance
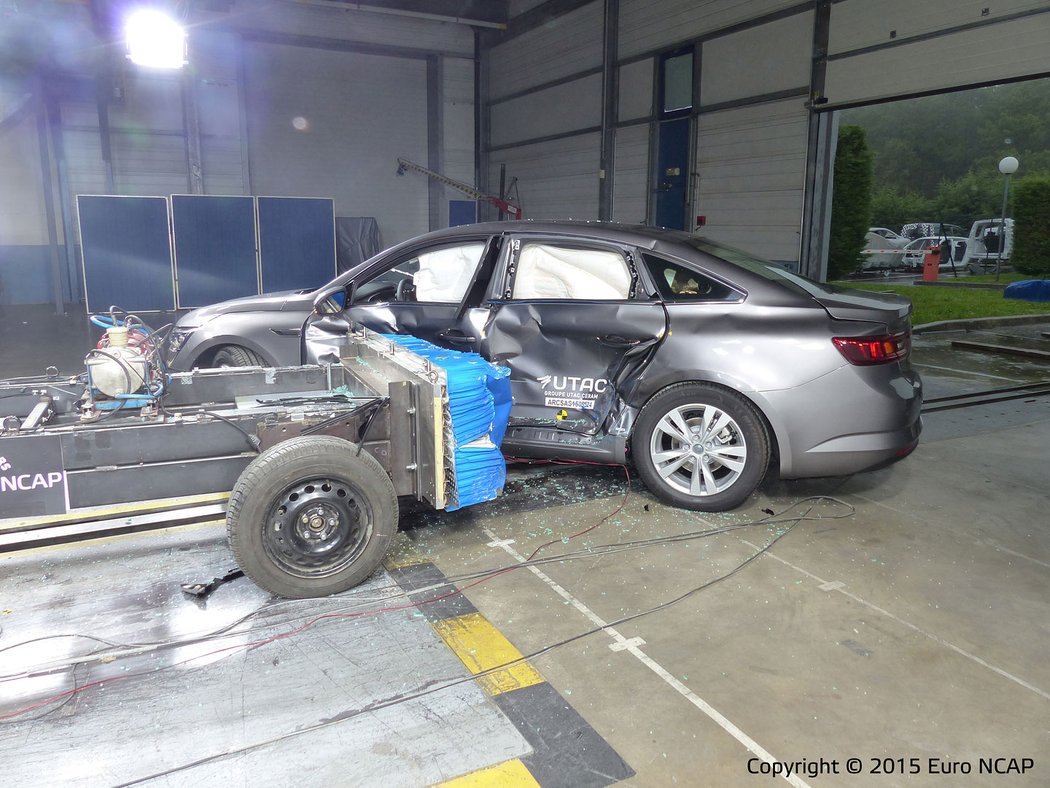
(636, 234)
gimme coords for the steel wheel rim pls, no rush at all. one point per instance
(317, 527)
(698, 449)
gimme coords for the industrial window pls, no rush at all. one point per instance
(557, 272)
(678, 283)
(677, 81)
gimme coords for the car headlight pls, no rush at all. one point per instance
(177, 338)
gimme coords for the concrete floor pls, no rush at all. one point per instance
(914, 627)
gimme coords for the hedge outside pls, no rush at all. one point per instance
(1031, 252)
(850, 201)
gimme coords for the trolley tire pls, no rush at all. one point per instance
(236, 356)
(326, 475)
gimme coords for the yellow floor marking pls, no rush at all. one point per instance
(403, 553)
(480, 646)
(509, 773)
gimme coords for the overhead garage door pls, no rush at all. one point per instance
(752, 164)
(899, 47)
(631, 186)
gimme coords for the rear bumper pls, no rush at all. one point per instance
(850, 454)
(851, 420)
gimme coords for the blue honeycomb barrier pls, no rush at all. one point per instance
(479, 399)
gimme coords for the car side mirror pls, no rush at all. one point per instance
(333, 300)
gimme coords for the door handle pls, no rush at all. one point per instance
(455, 335)
(613, 340)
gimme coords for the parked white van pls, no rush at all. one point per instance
(983, 245)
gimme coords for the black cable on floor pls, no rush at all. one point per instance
(433, 686)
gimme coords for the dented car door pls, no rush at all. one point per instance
(570, 319)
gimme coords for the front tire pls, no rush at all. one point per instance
(310, 517)
(236, 356)
(700, 447)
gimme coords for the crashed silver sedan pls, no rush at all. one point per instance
(701, 364)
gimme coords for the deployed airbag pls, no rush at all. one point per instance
(445, 274)
(579, 274)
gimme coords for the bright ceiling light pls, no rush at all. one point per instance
(155, 40)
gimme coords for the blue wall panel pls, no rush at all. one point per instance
(296, 242)
(462, 212)
(126, 253)
(214, 248)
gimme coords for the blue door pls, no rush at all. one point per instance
(672, 174)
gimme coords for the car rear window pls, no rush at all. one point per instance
(676, 282)
(763, 268)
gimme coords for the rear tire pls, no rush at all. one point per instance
(700, 447)
(310, 518)
(236, 356)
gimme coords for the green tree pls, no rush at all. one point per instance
(891, 208)
(968, 198)
(1031, 252)
(945, 149)
(850, 201)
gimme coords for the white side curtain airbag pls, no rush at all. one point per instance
(445, 274)
(579, 274)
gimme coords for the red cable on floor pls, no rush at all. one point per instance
(313, 621)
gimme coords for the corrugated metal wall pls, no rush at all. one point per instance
(753, 120)
(217, 89)
(458, 119)
(148, 136)
(752, 165)
(636, 90)
(751, 157)
(757, 61)
(341, 138)
(556, 180)
(567, 107)
(631, 183)
(521, 6)
(330, 22)
(83, 153)
(566, 45)
(541, 109)
(648, 25)
(1005, 41)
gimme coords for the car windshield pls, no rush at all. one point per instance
(763, 268)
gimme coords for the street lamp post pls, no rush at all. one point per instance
(1007, 166)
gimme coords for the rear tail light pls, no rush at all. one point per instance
(866, 351)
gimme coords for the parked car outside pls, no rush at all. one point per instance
(880, 253)
(702, 364)
(985, 249)
(893, 240)
(915, 230)
(915, 252)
